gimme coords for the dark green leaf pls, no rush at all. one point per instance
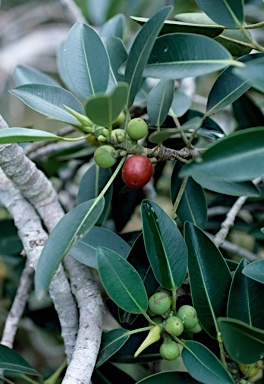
(50, 101)
(114, 27)
(235, 42)
(107, 373)
(237, 157)
(232, 188)
(165, 246)
(209, 277)
(168, 378)
(121, 281)
(85, 250)
(159, 101)
(193, 205)
(243, 343)
(256, 230)
(24, 74)
(112, 341)
(180, 55)
(91, 184)
(228, 87)
(140, 51)
(183, 24)
(247, 113)
(104, 110)
(86, 60)
(253, 72)
(74, 225)
(255, 271)
(245, 297)
(12, 361)
(23, 135)
(229, 13)
(10, 243)
(203, 365)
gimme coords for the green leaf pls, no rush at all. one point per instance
(256, 229)
(159, 101)
(255, 271)
(165, 246)
(114, 27)
(244, 298)
(253, 72)
(243, 343)
(118, 55)
(121, 281)
(112, 341)
(180, 55)
(237, 157)
(23, 135)
(180, 104)
(140, 51)
(91, 184)
(209, 277)
(229, 13)
(50, 101)
(104, 110)
(247, 113)
(86, 60)
(85, 250)
(168, 378)
(203, 365)
(107, 373)
(193, 205)
(228, 87)
(24, 74)
(12, 361)
(185, 25)
(74, 225)
(235, 42)
(232, 188)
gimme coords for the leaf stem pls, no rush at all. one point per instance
(255, 44)
(174, 298)
(6, 380)
(141, 329)
(28, 379)
(173, 214)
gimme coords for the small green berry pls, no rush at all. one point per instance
(159, 303)
(188, 315)
(169, 350)
(104, 156)
(137, 128)
(174, 326)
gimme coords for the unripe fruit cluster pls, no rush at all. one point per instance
(174, 324)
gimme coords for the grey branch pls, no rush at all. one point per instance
(39, 191)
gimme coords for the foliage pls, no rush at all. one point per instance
(173, 253)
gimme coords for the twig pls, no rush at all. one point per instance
(18, 306)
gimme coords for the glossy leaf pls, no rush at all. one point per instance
(180, 104)
(183, 24)
(240, 339)
(203, 365)
(193, 205)
(253, 72)
(118, 55)
(235, 42)
(10, 243)
(23, 135)
(88, 72)
(91, 184)
(227, 187)
(104, 110)
(13, 362)
(255, 271)
(112, 341)
(74, 225)
(209, 275)
(140, 51)
(228, 87)
(114, 27)
(121, 281)
(24, 74)
(237, 157)
(50, 101)
(229, 13)
(245, 297)
(247, 113)
(85, 250)
(159, 101)
(164, 245)
(180, 55)
(168, 378)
